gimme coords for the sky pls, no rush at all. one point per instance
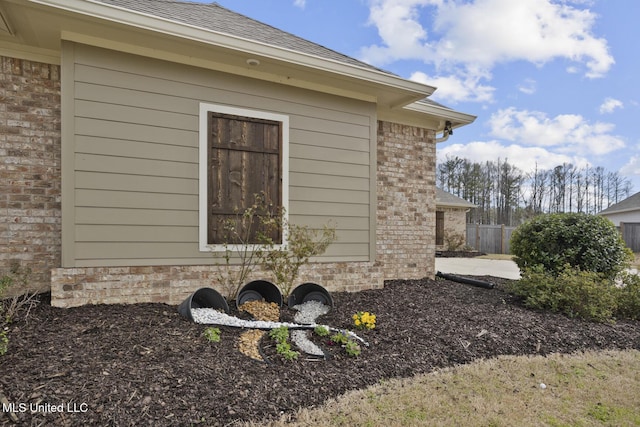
(550, 81)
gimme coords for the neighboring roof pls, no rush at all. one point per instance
(449, 200)
(631, 203)
(214, 17)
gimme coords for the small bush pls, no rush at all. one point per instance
(20, 305)
(628, 296)
(576, 293)
(454, 241)
(587, 242)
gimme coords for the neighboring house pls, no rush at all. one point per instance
(451, 219)
(626, 216)
(124, 120)
(627, 210)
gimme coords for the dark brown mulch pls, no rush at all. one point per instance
(143, 364)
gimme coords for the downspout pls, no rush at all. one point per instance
(446, 133)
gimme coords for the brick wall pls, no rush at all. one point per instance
(406, 201)
(455, 224)
(172, 284)
(30, 169)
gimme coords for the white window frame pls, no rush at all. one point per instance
(205, 108)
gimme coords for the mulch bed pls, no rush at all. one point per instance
(143, 364)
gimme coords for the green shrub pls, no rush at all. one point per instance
(587, 242)
(576, 293)
(628, 296)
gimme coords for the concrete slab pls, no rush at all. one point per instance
(478, 267)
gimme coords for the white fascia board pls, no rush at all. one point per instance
(455, 205)
(165, 26)
(456, 117)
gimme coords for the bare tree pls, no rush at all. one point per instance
(504, 194)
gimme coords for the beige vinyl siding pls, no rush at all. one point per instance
(131, 168)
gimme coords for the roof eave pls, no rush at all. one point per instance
(619, 211)
(454, 205)
(408, 91)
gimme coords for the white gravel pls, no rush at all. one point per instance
(211, 316)
(301, 340)
(307, 314)
(309, 311)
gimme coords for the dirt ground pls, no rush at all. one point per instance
(143, 364)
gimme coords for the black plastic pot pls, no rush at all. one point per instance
(310, 292)
(203, 298)
(259, 290)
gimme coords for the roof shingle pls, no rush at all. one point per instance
(212, 16)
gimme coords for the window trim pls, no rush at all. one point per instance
(205, 108)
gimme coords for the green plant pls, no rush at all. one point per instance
(364, 320)
(281, 336)
(302, 243)
(628, 295)
(352, 348)
(577, 293)
(587, 242)
(212, 334)
(321, 331)
(284, 350)
(339, 338)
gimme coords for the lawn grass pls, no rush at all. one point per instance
(507, 257)
(583, 389)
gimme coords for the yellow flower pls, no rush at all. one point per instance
(364, 319)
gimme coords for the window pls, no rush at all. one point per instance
(242, 153)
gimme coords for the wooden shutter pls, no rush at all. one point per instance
(439, 228)
(244, 159)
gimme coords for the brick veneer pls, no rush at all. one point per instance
(30, 172)
(455, 223)
(406, 201)
(30, 208)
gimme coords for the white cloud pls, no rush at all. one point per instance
(528, 87)
(399, 27)
(567, 133)
(456, 88)
(609, 105)
(482, 33)
(525, 158)
(300, 3)
(632, 168)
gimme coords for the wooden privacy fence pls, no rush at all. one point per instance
(631, 234)
(494, 239)
(491, 239)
